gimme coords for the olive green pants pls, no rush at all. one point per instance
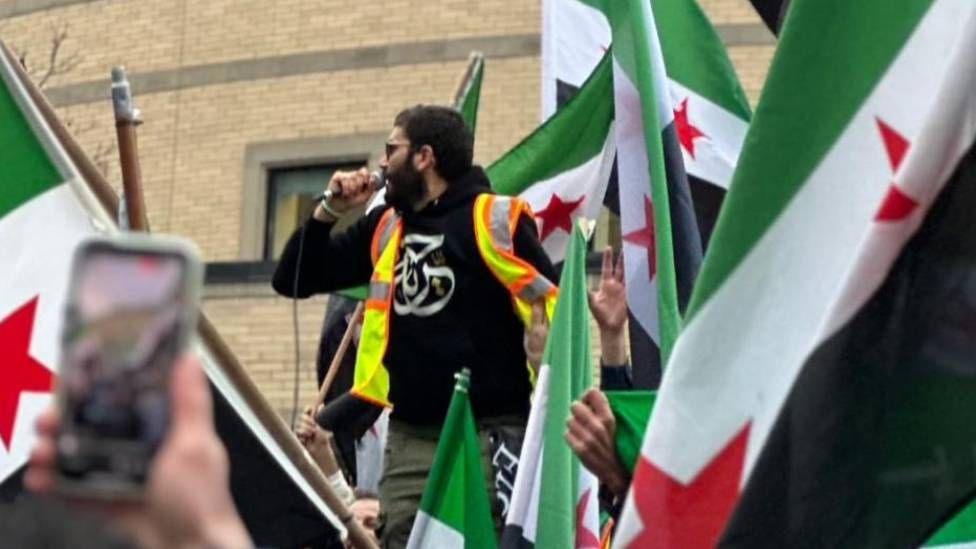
(408, 456)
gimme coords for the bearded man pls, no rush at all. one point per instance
(455, 274)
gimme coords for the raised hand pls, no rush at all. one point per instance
(609, 302)
(350, 189)
(609, 307)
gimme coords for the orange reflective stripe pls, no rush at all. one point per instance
(363, 396)
(520, 207)
(496, 219)
(371, 381)
(382, 233)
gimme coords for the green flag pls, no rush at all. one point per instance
(958, 533)
(46, 208)
(42, 217)
(469, 92)
(455, 510)
(797, 407)
(554, 503)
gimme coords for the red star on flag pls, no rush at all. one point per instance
(896, 205)
(895, 144)
(557, 215)
(686, 132)
(585, 539)
(19, 372)
(693, 515)
(644, 237)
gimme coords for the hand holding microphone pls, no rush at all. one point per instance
(345, 191)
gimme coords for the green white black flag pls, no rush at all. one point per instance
(791, 259)
(562, 168)
(455, 511)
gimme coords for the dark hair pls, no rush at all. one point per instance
(443, 129)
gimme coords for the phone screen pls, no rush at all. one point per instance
(125, 326)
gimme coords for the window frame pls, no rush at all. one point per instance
(270, 209)
(260, 159)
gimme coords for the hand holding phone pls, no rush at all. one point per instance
(187, 500)
(132, 306)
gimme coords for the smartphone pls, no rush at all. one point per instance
(132, 307)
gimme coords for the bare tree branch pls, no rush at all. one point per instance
(57, 64)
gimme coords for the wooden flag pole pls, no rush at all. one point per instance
(339, 355)
(223, 357)
(126, 121)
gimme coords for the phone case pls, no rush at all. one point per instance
(106, 484)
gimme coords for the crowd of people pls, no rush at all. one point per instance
(456, 278)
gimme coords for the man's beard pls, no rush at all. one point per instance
(405, 188)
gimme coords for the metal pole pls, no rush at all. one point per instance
(126, 121)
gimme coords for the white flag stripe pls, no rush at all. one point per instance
(588, 180)
(931, 159)
(818, 232)
(635, 192)
(589, 487)
(717, 154)
(523, 510)
(573, 38)
(428, 532)
(38, 253)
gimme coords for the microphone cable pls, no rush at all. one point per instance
(379, 181)
(294, 322)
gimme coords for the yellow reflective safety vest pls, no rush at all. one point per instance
(495, 220)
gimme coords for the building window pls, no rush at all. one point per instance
(291, 199)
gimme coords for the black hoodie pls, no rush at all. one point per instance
(449, 311)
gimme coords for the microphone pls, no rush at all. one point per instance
(377, 180)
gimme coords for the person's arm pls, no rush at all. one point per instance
(318, 442)
(330, 262)
(590, 434)
(527, 246)
(187, 500)
(609, 307)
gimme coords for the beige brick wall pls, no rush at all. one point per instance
(143, 35)
(729, 11)
(257, 325)
(164, 34)
(206, 130)
(751, 64)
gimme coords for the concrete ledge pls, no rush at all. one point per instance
(13, 8)
(279, 66)
(391, 55)
(745, 34)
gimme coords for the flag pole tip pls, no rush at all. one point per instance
(463, 379)
(586, 226)
(118, 74)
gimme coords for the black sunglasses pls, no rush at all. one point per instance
(392, 146)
